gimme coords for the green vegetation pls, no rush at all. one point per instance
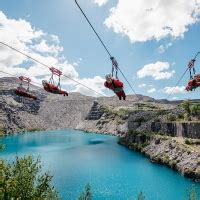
(23, 180)
(192, 194)
(191, 110)
(140, 196)
(34, 129)
(195, 109)
(187, 141)
(121, 113)
(133, 132)
(1, 145)
(171, 117)
(30, 130)
(146, 106)
(186, 106)
(180, 117)
(162, 112)
(172, 163)
(2, 131)
(87, 194)
(192, 141)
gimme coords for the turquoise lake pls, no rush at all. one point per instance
(75, 158)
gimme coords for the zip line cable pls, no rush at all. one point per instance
(182, 76)
(17, 78)
(37, 61)
(196, 55)
(39, 85)
(102, 43)
(93, 28)
(177, 83)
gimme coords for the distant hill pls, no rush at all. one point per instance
(52, 111)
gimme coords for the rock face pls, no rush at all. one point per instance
(58, 112)
(95, 112)
(150, 121)
(170, 151)
(177, 129)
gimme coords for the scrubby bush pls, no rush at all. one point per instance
(187, 141)
(141, 196)
(180, 116)
(186, 106)
(192, 194)
(23, 180)
(1, 131)
(195, 109)
(87, 194)
(171, 117)
(192, 141)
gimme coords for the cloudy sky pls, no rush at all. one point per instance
(153, 40)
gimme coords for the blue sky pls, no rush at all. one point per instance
(152, 42)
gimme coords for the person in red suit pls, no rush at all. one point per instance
(53, 89)
(193, 83)
(115, 85)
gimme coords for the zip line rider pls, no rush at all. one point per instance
(115, 85)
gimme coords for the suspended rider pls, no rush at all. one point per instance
(50, 86)
(53, 88)
(25, 92)
(194, 81)
(115, 85)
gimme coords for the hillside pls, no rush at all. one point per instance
(57, 112)
(52, 111)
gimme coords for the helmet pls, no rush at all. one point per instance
(108, 76)
(44, 83)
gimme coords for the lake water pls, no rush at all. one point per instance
(114, 172)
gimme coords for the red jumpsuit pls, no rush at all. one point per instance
(117, 87)
(193, 84)
(23, 92)
(53, 89)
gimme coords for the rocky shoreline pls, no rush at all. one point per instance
(170, 151)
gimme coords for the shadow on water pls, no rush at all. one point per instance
(96, 141)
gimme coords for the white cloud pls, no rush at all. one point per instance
(77, 62)
(174, 90)
(158, 71)
(163, 48)
(143, 20)
(100, 2)
(173, 63)
(43, 47)
(96, 83)
(142, 85)
(175, 98)
(55, 38)
(152, 90)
